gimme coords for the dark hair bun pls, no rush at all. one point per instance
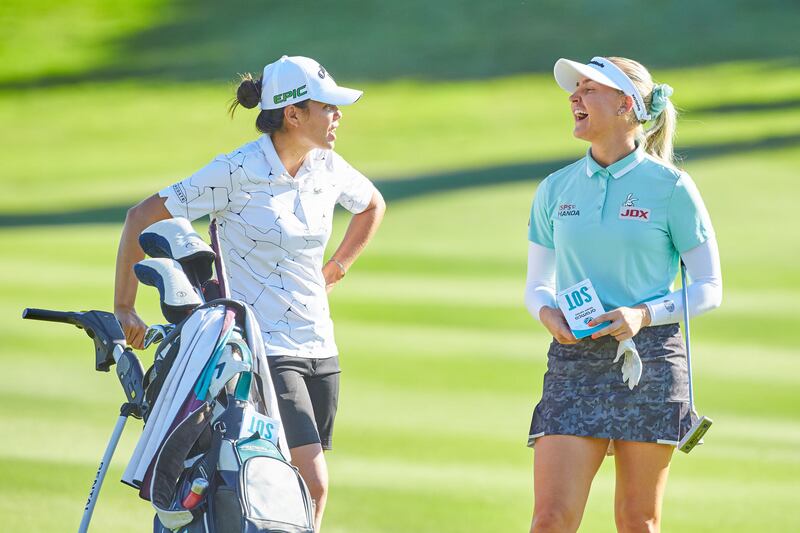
(249, 92)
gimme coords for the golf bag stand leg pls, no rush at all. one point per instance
(124, 412)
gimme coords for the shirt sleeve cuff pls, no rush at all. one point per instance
(540, 297)
(662, 311)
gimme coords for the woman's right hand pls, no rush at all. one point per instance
(133, 327)
(553, 319)
(140, 216)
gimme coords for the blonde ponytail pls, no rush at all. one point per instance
(658, 139)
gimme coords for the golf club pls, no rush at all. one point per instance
(699, 428)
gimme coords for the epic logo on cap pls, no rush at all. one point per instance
(294, 93)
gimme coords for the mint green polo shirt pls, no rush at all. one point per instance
(623, 227)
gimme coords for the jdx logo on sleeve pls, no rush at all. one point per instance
(629, 211)
(181, 194)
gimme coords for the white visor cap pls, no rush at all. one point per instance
(293, 79)
(568, 73)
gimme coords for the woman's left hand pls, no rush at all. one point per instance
(332, 274)
(625, 322)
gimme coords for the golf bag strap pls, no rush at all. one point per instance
(170, 464)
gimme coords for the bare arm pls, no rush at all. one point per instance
(361, 229)
(140, 216)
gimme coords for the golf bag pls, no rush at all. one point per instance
(213, 455)
(224, 442)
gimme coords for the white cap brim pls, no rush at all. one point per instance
(338, 96)
(569, 73)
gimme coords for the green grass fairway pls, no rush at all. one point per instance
(104, 102)
(101, 145)
(441, 370)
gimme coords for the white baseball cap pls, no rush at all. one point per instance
(569, 73)
(293, 79)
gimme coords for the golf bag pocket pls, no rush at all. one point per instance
(227, 511)
(178, 516)
(171, 479)
(274, 497)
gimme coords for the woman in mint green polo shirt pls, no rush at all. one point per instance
(622, 217)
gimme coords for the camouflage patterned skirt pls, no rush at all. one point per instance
(584, 395)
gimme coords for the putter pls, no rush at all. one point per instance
(699, 428)
(110, 348)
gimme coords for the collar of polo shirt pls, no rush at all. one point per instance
(618, 169)
(314, 160)
(568, 73)
(275, 163)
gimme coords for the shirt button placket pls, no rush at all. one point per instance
(603, 177)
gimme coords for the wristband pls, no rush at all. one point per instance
(341, 266)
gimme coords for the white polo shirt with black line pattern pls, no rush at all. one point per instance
(273, 233)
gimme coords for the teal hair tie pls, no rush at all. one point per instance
(658, 99)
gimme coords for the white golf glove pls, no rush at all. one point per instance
(631, 365)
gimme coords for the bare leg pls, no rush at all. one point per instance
(642, 471)
(310, 461)
(563, 469)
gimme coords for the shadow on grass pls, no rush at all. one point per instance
(401, 189)
(449, 39)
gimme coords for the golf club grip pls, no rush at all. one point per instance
(687, 335)
(685, 298)
(47, 315)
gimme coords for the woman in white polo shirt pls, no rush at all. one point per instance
(274, 199)
(622, 217)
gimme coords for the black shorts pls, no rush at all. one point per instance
(308, 394)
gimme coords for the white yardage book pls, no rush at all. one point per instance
(580, 304)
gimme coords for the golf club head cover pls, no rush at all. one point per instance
(178, 296)
(175, 238)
